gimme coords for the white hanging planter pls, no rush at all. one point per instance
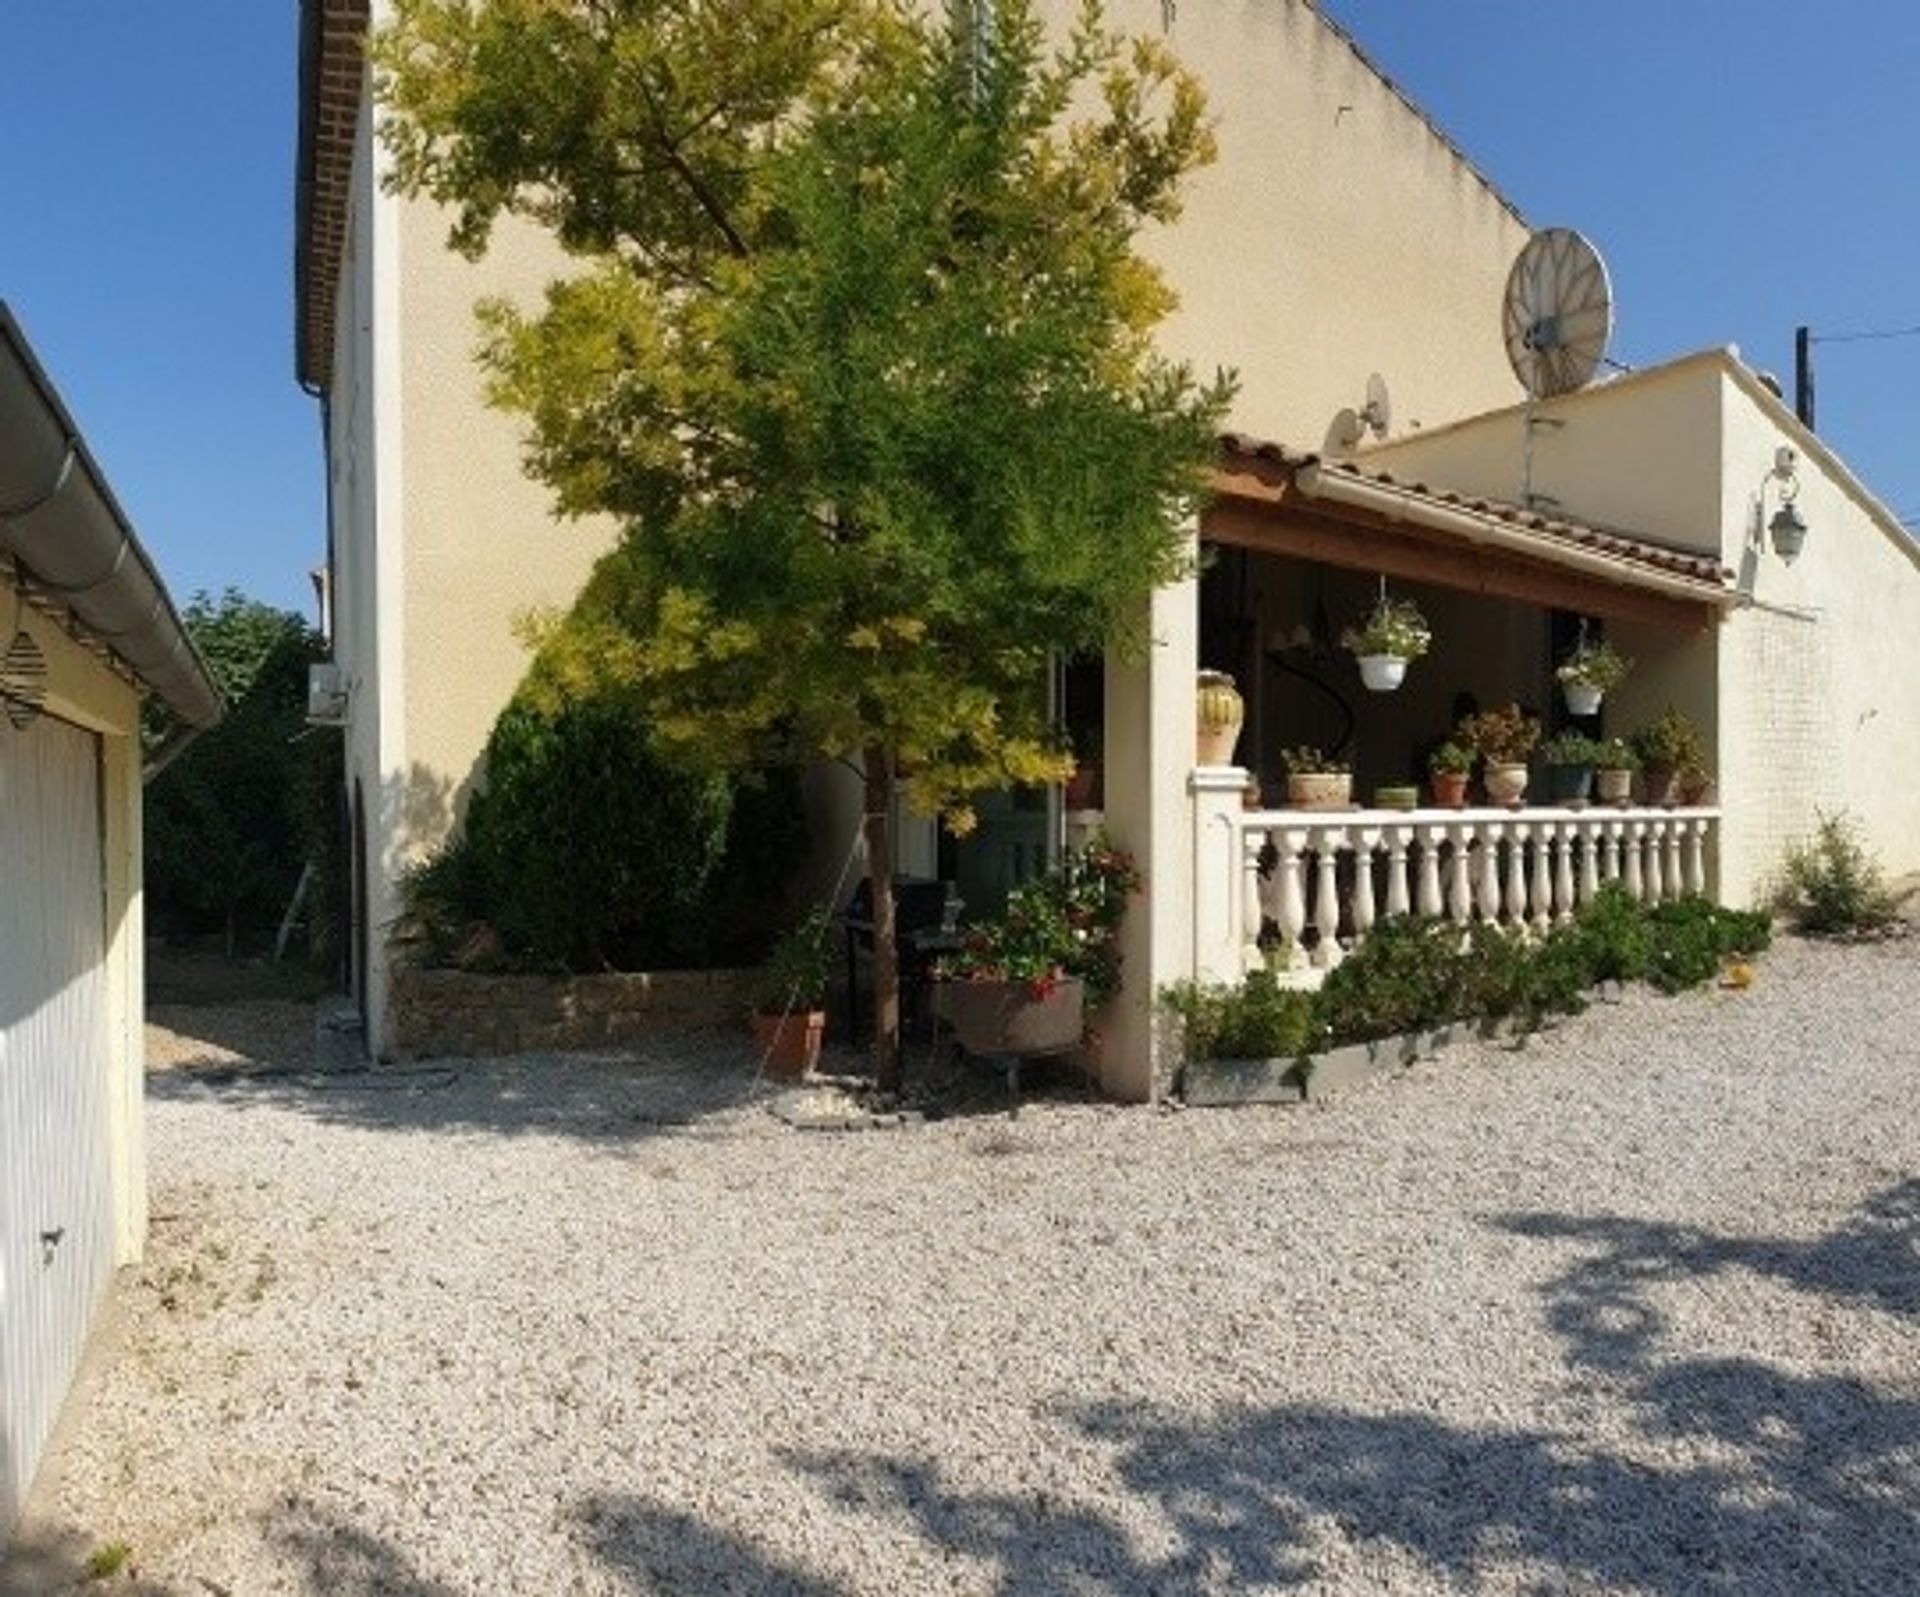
(1583, 698)
(1382, 672)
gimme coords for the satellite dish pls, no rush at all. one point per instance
(1349, 426)
(23, 681)
(1378, 410)
(1344, 431)
(1558, 313)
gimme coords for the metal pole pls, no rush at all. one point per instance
(1803, 376)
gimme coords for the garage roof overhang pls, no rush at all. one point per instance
(1276, 500)
(71, 546)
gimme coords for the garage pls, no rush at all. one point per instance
(56, 1253)
(87, 632)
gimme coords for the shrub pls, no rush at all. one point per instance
(1259, 1019)
(1832, 886)
(1403, 978)
(1673, 741)
(1613, 931)
(585, 851)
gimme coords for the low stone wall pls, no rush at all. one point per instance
(439, 1013)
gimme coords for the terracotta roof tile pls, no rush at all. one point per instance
(332, 75)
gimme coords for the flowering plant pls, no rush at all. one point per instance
(1501, 737)
(1394, 627)
(1599, 666)
(1309, 761)
(1063, 923)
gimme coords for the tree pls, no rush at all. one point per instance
(860, 355)
(233, 821)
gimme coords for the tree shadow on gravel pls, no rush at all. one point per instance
(701, 1082)
(342, 1560)
(1735, 1477)
(665, 1550)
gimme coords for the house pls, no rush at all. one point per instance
(85, 628)
(1340, 234)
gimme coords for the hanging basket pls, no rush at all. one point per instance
(1583, 698)
(1382, 672)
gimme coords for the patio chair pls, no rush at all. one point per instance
(926, 917)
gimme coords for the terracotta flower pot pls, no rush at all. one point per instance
(1449, 789)
(790, 1044)
(1662, 785)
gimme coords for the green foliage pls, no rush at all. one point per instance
(1451, 759)
(860, 353)
(585, 850)
(1305, 760)
(1831, 886)
(232, 821)
(1618, 940)
(1393, 626)
(796, 973)
(1570, 748)
(1259, 1019)
(1615, 754)
(1672, 741)
(1595, 665)
(107, 1560)
(1403, 978)
(1063, 923)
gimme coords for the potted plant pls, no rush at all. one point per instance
(1567, 760)
(1696, 784)
(1400, 796)
(1394, 634)
(1024, 981)
(1448, 768)
(1315, 780)
(1590, 673)
(790, 999)
(1614, 763)
(1503, 739)
(1667, 747)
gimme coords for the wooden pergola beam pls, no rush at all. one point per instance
(1267, 517)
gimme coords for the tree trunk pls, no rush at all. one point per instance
(886, 961)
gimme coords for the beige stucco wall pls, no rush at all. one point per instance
(1338, 234)
(482, 545)
(82, 690)
(1820, 704)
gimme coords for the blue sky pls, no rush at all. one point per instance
(1743, 168)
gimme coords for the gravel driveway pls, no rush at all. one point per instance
(1636, 1309)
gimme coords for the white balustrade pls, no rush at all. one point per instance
(1311, 878)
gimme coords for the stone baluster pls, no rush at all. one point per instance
(1289, 872)
(1615, 831)
(1656, 830)
(1696, 860)
(1326, 900)
(1563, 874)
(1397, 838)
(1490, 835)
(1365, 840)
(1636, 883)
(1541, 899)
(1671, 875)
(1252, 902)
(1429, 902)
(1590, 837)
(1460, 885)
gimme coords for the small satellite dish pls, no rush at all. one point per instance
(1377, 413)
(1344, 431)
(23, 681)
(1558, 313)
(1349, 426)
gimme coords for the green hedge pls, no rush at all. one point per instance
(1412, 975)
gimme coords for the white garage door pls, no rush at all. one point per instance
(56, 1245)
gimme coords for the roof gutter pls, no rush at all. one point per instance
(1396, 503)
(62, 527)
